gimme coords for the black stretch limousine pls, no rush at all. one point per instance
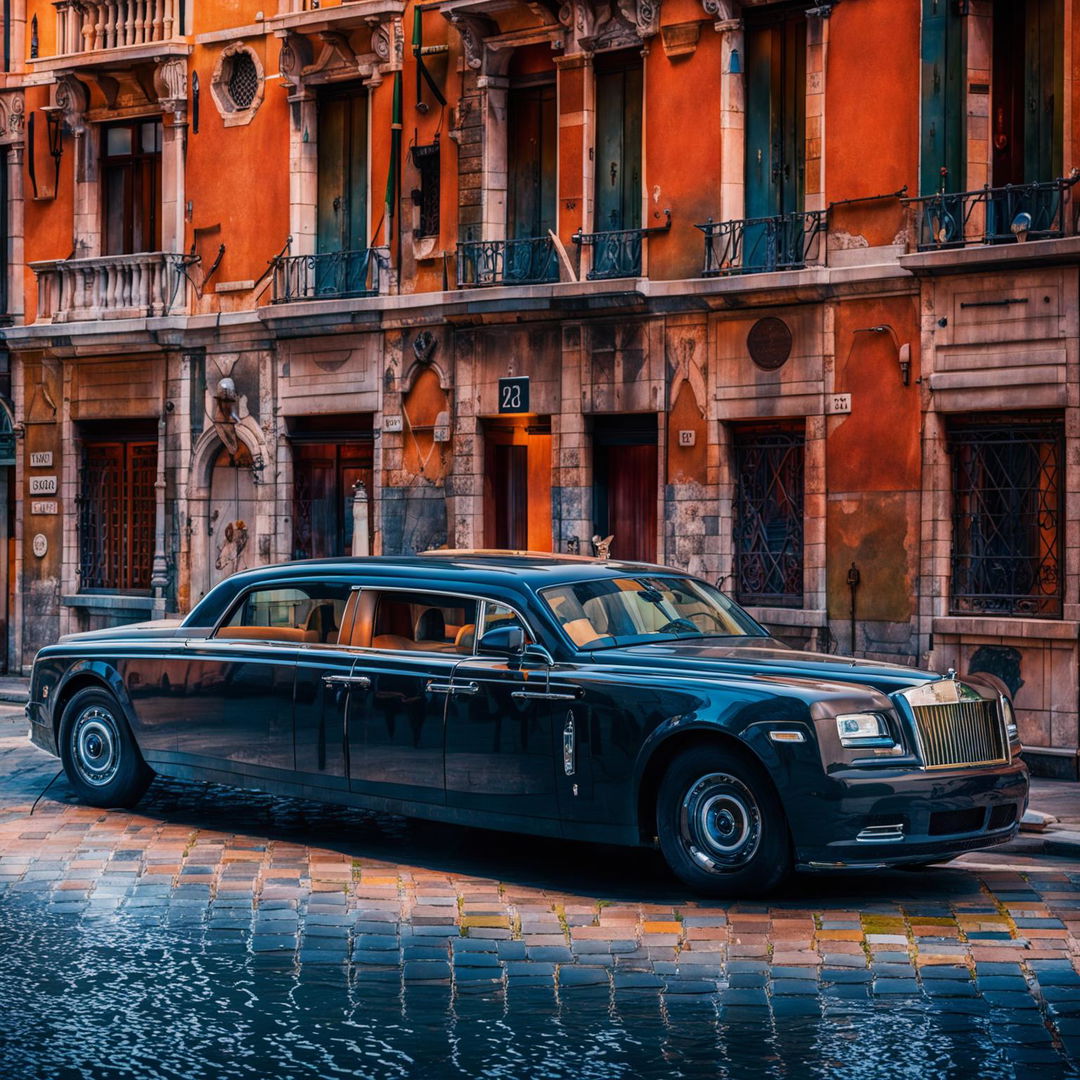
(568, 697)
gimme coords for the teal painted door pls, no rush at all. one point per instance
(618, 142)
(941, 151)
(342, 187)
(531, 134)
(775, 133)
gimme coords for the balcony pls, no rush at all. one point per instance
(116, 33)
(317, 16)
(1004, 215)
(147, 285)
(616, 253)
(759, 245)
(483, 263)
(337, 275)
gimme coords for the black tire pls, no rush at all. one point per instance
(722, 829)
(100, 757)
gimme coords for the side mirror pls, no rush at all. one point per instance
(503, 641)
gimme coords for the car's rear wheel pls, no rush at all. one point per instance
(721, 827)
(99, 754)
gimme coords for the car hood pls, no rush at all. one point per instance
(155, 628)
(762, 656)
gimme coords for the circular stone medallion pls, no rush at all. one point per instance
(769, 343)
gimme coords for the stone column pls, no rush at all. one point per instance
(494, 172)
(73, 98)
(171, 81)
(303, 145)
(732, 120)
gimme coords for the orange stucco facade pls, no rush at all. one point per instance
(252, 246)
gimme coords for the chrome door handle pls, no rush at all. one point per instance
(453, 688)
(360, 681)
(542, 695)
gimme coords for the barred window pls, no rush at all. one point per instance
(243, 80)
(768, 514)
(116, 515)
(426, 160)
(1007, 515)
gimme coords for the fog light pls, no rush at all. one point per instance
(863, 730)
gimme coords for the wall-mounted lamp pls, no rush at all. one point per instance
(1021, 226)
(54, 123)
(903, 351)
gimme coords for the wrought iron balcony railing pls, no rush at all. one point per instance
(533, 261)
(995, 215)
(331, 275)
(617, 252)
(149, 284)
(93, 25)
(758, 245)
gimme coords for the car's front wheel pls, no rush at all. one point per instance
(721, 827)
(99, 754)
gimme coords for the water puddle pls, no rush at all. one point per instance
(107, 995)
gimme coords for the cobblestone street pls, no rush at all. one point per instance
(217, 933)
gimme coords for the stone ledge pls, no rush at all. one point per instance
(1024, 629)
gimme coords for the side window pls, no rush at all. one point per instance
(498, 615)
(423, 623)
(310, 613)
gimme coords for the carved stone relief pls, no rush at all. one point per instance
(12, 117)
(73, 98)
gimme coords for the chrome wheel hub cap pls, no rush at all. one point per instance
(720, 823)
(95, 743)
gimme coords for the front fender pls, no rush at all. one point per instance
(86, 672)
(746, 725)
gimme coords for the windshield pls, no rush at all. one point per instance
(640, 610)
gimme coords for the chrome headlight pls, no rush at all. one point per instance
(1009, 716)
(867, 730)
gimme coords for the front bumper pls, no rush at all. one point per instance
(929, 815)
(41, 729)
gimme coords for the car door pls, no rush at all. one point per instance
(410, 642)
(238, 694)
(503, 733)
(322, 689)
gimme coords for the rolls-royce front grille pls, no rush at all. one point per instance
(963, 733)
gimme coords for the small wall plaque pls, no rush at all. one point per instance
(838, 403)
(40, 545)
(44, 506)
(392, 423)
(42, 485)
(687, 438)
(41, 459)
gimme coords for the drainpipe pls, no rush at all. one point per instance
(853, 585)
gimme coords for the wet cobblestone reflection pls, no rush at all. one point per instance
(215, 933)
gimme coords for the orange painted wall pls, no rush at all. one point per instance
(872, 111)
(682, 147)
(231, 178)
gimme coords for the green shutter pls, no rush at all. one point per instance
(942, 135)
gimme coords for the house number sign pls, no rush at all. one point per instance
(41, 459)
(42, 485)
(514, 394)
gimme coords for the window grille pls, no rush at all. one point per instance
(1007, 516)
(243, 80)
(117, 507)
(426, 160)
(768, 516)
